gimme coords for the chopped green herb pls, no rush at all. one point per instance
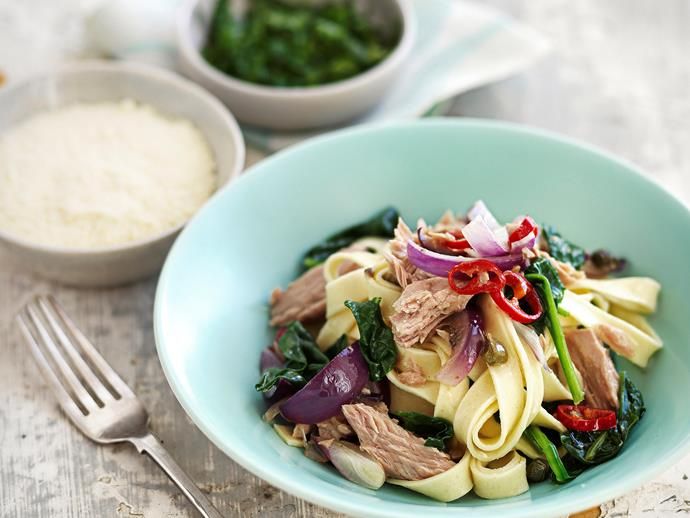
(288, 44)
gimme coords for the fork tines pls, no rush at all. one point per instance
(81, 379)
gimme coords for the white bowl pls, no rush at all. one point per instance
(97, 81)
(294, 108)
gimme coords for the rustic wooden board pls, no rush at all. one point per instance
(619, 78)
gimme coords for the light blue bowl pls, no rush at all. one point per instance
(211, 305)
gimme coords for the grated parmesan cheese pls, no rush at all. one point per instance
(96, 175)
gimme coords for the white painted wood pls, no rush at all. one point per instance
(619, 78)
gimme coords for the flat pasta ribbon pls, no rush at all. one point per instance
(514, 390)
(642, 338)
(363, 280)
(445, 487)
(501, 478)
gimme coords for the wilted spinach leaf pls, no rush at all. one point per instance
(563, 250)
(375, 337)
(303, 359)
(436, 430)
(381, 224)
(282, 43)
(271, 377)
(630, 405)
(337, 346)
(544, 267)
(590, 448)
(299, 348)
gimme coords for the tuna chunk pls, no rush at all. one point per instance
(421, 307)
(449, 222)
(303, 300)
(405, 271)
(615, 339)
(402, 454)
(335, 427)
(409, 372)
(596, 367)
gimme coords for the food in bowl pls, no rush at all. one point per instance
(464, 356)
(93, 175)
(289, 44)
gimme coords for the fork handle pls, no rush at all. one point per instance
(150, 445)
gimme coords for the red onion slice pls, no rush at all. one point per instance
(269, 359)
(526, 242)
(435, 241)
(467, 339)
(353, 463)
(440, 264)
(338, 383)
(480, 210)
(485, 240)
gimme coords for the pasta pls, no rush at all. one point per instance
(474, 404)
(363, 283)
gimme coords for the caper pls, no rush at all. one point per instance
(494, 353)
(537, 470)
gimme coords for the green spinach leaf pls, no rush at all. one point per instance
(381, 224)
(282, 43)
(544, 267)
(436, 430)
(299, 348)
(630, 405)
(590, 448)
(271, 377)
(375, 337)
(550, 319)
(303, 359)
(563, 250)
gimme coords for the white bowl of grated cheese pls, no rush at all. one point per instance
(102, 164)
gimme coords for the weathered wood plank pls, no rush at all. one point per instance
(619, 78)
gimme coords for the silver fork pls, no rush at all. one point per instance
(91, 393)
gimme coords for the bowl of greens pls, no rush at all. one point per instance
(295, 64)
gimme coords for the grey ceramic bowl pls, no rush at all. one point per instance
(98, 81)
(295, 108)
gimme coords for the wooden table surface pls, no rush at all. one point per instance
(619, 78)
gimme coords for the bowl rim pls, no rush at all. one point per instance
(192, 55)
(167, 80)
(355, 507)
